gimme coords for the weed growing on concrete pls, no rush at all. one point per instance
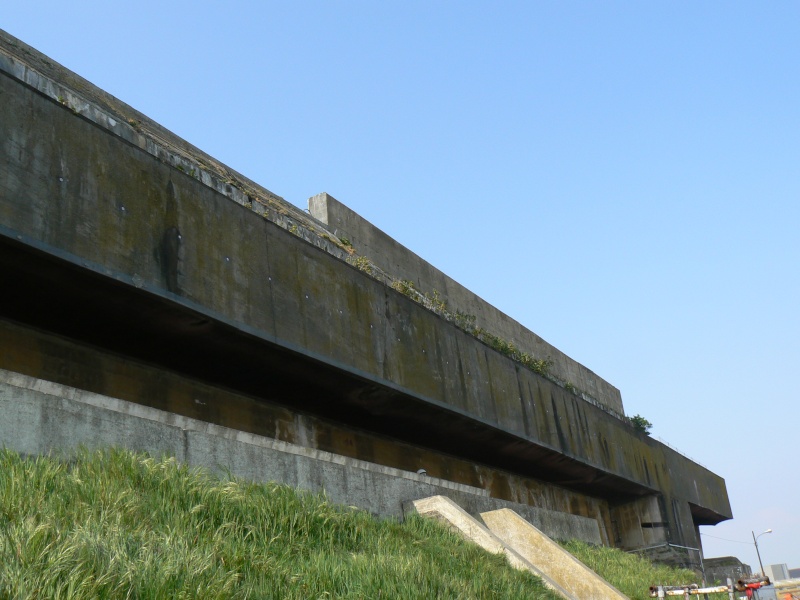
(537, 365)
(344, 244)
(436, 303)
(465, 322)
(406, 287)
(502, 346)
(362, 263)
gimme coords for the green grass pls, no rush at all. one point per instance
(113, 524)
(630, 574)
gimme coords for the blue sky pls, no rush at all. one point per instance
(621, 177)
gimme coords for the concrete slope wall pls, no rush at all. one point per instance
(111, 236)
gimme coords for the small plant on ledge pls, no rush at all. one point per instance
(640, 424)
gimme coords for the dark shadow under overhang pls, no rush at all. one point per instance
(705, 516)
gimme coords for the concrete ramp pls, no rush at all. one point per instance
(558, 565)
(447, 511)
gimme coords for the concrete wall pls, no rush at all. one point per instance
(640, 524)
(42, 417)
(77, 189)
(723, 568)
(219, 272)
(400, 263)
(47, 359)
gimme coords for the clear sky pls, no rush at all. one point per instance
(621, 177)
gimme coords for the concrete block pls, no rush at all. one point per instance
(557, 564)
(447, 511)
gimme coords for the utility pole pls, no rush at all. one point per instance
(755, 541)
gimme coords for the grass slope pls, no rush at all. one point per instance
(629, 573)
(113, 524)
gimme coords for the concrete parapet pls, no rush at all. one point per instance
(550, 558)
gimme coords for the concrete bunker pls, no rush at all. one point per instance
(137, 267)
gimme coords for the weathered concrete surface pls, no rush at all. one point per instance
(403, 264)
(41, 417)
(446, 510)
(550, 558)
(119, 235)
(42, 356)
